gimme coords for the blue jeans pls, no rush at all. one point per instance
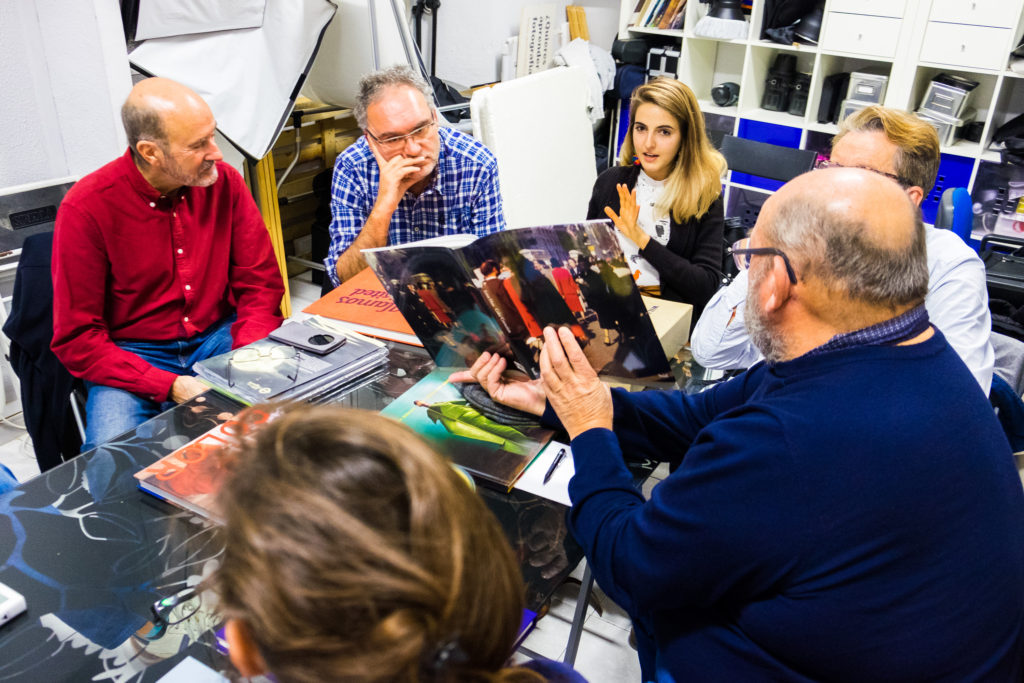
(110, 412)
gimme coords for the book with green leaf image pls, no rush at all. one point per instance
(493, 453)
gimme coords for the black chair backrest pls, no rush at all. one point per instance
(766, 160)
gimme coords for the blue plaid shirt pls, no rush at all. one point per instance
(464, 197)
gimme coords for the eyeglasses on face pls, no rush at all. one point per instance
(395, 141)
(828, 163)
(741, 254)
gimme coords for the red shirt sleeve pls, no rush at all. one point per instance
(81, 339)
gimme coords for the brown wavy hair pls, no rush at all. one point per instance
(354, 552)
(695, 181)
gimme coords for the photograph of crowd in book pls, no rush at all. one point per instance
(441, 305)
(573, 277)
(499, 292)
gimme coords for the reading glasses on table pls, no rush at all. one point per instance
(248, 358)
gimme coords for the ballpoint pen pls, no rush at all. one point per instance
(554, 465)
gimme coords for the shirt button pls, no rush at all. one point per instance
(152, 205)
(181, 251)
(188, 287)
(186, 318)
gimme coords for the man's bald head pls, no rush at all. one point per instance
(156, 110)
(171, 133)
(856, 232)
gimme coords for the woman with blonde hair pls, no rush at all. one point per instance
(353, 552)
(665, 197)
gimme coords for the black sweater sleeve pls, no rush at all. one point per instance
(690, 266)
(604, 193)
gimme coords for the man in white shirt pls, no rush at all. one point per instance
(905, 148)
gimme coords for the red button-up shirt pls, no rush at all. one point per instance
(131, 264)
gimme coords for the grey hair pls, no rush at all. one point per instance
(142, 123)
(833, 245)
(371, 85)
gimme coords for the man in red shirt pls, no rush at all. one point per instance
(160, 259)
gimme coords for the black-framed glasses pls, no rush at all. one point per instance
(246, 358)
(419, 135)
(901, 181)
(172, 610)
(741, 255)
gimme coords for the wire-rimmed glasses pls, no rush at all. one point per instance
(247, 357)
(395, 141)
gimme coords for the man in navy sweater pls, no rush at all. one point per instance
(848, 509)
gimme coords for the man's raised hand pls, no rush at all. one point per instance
(581, 400)
(397, 174)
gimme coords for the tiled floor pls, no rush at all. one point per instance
(604, 654)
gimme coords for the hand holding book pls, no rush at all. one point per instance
(489, 372)
(581, 400)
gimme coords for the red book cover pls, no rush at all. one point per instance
(364, 304)
(191, 476)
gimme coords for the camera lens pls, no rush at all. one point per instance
(321, 339)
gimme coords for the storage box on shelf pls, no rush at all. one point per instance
(976, 109)
(829, 66)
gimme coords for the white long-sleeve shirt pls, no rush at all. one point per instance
(957, 304)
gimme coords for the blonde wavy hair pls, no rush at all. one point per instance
(917, 143)
(695, 181)
(354, 552)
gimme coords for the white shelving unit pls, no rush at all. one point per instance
(910, 41)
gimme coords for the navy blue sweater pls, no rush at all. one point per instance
(852, 516)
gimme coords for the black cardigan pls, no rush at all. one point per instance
(690, 265)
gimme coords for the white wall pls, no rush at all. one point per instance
(63, 74)
(471, 34)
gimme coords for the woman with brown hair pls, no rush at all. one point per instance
(353, 552)
(665, 196)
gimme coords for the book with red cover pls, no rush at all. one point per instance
(364, 305)
(191, 476)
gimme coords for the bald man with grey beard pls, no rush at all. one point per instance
(846, 510)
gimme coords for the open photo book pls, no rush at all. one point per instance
(464, 295)
(492, 453)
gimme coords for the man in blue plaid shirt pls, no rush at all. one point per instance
(406, 179)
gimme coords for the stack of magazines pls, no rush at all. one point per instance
(269, 370)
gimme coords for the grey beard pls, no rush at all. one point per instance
(770, 343)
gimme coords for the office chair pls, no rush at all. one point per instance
(766, 160)
(47, 388)
(955, 212)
